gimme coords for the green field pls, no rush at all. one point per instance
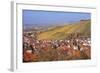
(62, 32)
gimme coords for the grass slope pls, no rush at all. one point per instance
(61, 32)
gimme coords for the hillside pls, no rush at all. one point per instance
(61, 32)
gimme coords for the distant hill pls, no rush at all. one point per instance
(61, 32)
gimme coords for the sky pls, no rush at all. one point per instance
(38, 18)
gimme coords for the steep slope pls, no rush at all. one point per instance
(61, 32)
